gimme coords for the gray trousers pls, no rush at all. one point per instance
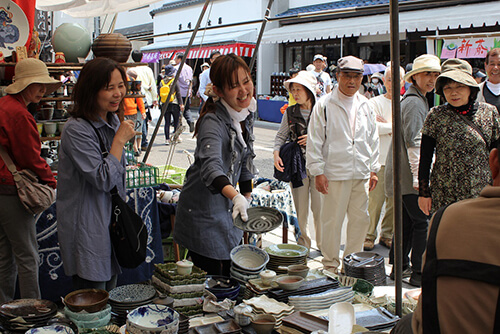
(18, 250)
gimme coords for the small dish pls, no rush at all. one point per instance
(290, 282)
(228, 326)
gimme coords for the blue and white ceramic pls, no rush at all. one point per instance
(153, 318)
(249, 257)
(58, 329)
(131, 293)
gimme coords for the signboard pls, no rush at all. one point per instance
(469, 47)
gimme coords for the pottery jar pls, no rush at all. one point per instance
(242, 314)
(114, 46)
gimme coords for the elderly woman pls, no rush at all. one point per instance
(461, 133)
(19, 138)
(87, 175)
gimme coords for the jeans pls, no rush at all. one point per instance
(415, 224)
(173, 110)
(144, 141)
(187, 111)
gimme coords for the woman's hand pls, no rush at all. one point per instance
(240, 206)
(278, 163)
(125, 132)
(302, 140)
(425, 204)
(321, 184)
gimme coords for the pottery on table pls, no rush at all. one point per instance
(296, 270)
(114, 46)
(266, 276)
(249, 257)
(263, 323)
(51, 329)
(290, 282)
(46, 113)
(242, 314)
(89, 300)
(184, 267)
(153, 318)
(131, 293)
(50, 128)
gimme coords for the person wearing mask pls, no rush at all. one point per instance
(414, 110)
(19, 259)
(87, 175)
(223, 158)
(489, 90)
(293, 133)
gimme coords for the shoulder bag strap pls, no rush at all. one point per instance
(8, 161)
(475, 127)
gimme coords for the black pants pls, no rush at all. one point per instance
(187, 111)
(415, 224)
(173, 110)
(211, 266)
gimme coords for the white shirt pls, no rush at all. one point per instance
(327, 81)
(350, 106)
(148, 83)
(204, 81)
(382, 107)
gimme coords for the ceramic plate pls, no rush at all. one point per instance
(287, 250)
(52, 329)
(14, 30)
(153, 317)
(132, 293)
(260, 220)
(28, 308)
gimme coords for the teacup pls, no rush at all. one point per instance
(184, 267)
(266, 276)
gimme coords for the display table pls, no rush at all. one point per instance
(54, 283)
(270, 110)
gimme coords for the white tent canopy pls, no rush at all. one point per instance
(91, 8)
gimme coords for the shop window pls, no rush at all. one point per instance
(293, 58)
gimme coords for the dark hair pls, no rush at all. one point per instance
(137, 56)
(95, 75)
(492, 53)
(179, 55)
(310, 95)
(293, 70)
(213, 53)
(223, 74)
(444, 81)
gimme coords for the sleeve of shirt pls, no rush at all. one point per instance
(283, 132)
(412, 121)
(26, 148)
(424, 168)
(374, 142)
(204, 80)
(431, 126)
(316, 136)
(140, 105)
(81, 145)
(383, 128)
(153, 88)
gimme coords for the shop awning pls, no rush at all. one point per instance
(179, 41)
(91, 8)
(475, 15)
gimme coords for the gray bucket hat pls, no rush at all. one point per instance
(457, 70)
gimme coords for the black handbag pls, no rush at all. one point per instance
(128, 232)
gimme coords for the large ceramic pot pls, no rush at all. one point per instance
(114, 46)
(73, 40)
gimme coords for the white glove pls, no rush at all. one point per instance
(240, 206)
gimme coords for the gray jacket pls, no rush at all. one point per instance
(414, 110)
(204, 223)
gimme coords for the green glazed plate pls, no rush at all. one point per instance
(287, 250)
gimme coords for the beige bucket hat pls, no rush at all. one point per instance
(306, 79)
(457, 70)
(29, 71)
(424, 63)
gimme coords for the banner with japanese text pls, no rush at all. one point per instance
(470, 47)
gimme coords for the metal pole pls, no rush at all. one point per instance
(396, 154)
(172, 91)
(261, 33)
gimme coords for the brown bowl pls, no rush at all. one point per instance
(90, 300)
(263, 323)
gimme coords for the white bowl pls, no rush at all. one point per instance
(152, 317)
(51, 329)
(249, 257)
(50, 128)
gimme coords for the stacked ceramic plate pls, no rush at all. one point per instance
(366, 265)
(321, 300)
(247, 262)
(285, 255)
(183, 324)
(266, 305)
(125, 298)
(223, 287)
(24, 314)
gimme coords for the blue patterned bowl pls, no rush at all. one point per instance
(249, 257)
(153, 318)
(58, 329)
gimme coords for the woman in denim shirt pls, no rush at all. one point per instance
(86, 175)
(223, 157)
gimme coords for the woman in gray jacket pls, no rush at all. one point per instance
(223, 157)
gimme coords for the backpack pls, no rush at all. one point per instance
(165, 90)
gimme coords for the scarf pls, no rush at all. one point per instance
(237, 117)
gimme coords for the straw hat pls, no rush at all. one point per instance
(457, 70)
(29, 71)
(306, 79)
(424, 63)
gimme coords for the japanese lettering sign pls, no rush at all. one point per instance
(469, 47)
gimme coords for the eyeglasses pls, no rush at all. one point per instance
(351, 76)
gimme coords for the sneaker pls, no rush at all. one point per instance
(137, 154)
(386, 242)
(167, 142)
(144, 148)
(179, 140)
(406, 273)
(191, 127)
(368, 245)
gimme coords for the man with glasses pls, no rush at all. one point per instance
(343, 155)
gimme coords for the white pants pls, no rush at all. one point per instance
(302, 196)
(344, 197)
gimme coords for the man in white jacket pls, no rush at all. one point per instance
(343, 155)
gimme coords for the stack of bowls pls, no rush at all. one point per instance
(88, 308)
(366, 265)
(89, 320)
(153, 318)
(284, 255)
(223, 287)
(183, 324)
(125, 298)
(247, 262)
(24, 314)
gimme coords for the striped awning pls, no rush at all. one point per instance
(240, 49)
